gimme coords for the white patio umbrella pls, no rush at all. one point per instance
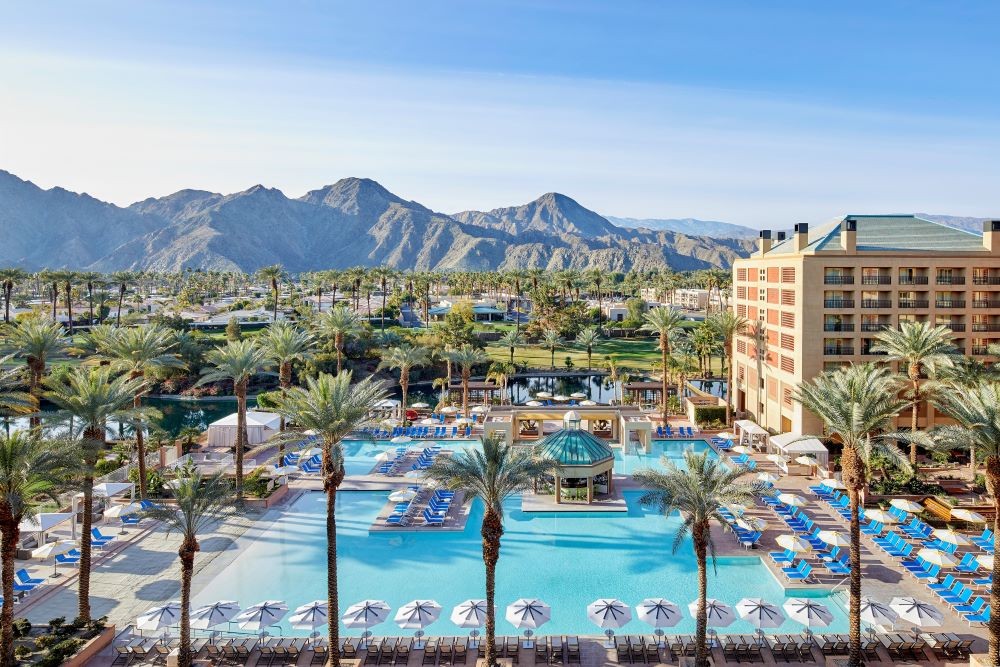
(806, 460)
(449, 409)
(588, 402)
(609, 614)
(808, 612)
(881, 516)
(470, 614)
(160, 617)
(578, 394)
(937, 557)
(543, 394)
(261, 615)
(792, 499)
(402, 495)
(759, 613)
(742, 449)
(280, 471)
(528, 614)
(420, 405)
(310, 616)
(951, 537)
(718, 613)
(767, 478)
(366, 615)
(751, 523)
(427, 421)
(533, 404)
(874, 612)
(51, 550)
(401, 440)
(834, 538)
(916, 612)
(833, 483)
(116, 511)
(384, 456)
(562, 398)
(414, 474)
(963, 514)
(479, 409)
(310, 452)
(215, 614)
(463, 420)
(659, 613)
(985, 560)
(793, 543)
(906, 505)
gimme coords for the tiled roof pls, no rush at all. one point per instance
(574, 447)
(888, 233)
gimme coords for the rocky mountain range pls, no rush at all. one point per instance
(689, 226)
(353, 222)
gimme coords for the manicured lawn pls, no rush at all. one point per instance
(633, 353)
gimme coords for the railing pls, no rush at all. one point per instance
(838, 280)
(985, 303)
(950, 303)
(980, 349)
(914, 303)
(838, 303)
(913, 280)
(876, 280)
(838, 349)
(957, 327)
(986, 280)
(876, 303)
(950, 280)
(830, 326)
(985, 326)
(868, 351)
(874, 326)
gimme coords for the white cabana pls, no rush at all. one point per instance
(793, 445)
(260, 427)
(750, 434)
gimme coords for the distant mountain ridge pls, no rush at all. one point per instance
(690, 226)
(355, 221)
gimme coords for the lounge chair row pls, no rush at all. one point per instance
(668, 432)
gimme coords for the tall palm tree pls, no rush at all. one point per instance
(138, 352)
(12, 399)
(9, 278)
(340, 323)
(500, 372)
(511, 339)
(596, 278)
(698, 490)
(664, 322)
(35, 340)
(197, 503)
(466, 357)
(30, 472)
(493, 475)
(922, 347)
(858, 406)
(587, 338)
(383, 274)
(237, 362)
(728, 325)
(284, 344)
(405, 358)
(977, 410)
(94, 397)
(332, 407)
(272, 275)
(123, 279)
(551, 341)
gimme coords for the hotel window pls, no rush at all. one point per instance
(762, 294)
(786, 396)
(741, 346)
(772, 338)
(741, 275)
(772, 274)
(762, 275)
(772, 388)
(788, 320)
(787, 297)
(788, 274)
(772, 295)
(787, 364)
(787, 341)
(741, 292)
(741, 310)
(772, 317)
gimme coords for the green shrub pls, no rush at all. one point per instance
(105, 466)
(706, 414)
(267, 400)
(58, 653)
(22, 652)
(901, 484)
(22, 628)
(255, 484)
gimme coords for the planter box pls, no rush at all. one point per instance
(270, 501)
(92, 649)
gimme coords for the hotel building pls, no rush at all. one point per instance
(818, 298)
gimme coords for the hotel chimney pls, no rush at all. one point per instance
(764, 242)
(991, 236)
(849, 235)
(801, 238)
(781, 237)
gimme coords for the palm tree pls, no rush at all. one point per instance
(30, 472)
(596, 278)
(922, 347)
(332, 407)
(340, 323)
(664, 322)
(551, 341)
(237, 362)
(728, 325)
(138, 352)
(197, 502)
(511, 340)
(273, 275)
(383, 274)
(977, 410)
(465, 358)
(12, 399)
(698, 490)
(35, 340)
(587, 338)
(284, 344)
(404, 357)
(493, 475)
(94, 397)
(858, 405)
(122, 279)
(9, 278)
(500, 372)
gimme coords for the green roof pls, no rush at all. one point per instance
(889, 233)
(574, 447)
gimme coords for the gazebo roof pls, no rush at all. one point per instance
(575, 447)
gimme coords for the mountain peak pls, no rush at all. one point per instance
(352, 195)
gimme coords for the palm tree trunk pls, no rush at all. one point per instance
(383, 306)
(284, 381)
(701, 622)
(85, 547)
(511, 354)
(6, 302)
(241, 435)
(338, 342)
(492, 530)
(854, 479)
(913, 420)
(186, 553)
(663, 359)
(274, 290)
(993, 478)
(465, 392)
(404, 386)
(121, 297)
(90, 302)
(729, 383)
(140, 446)
(332, 479)
(9, 533)
(69, 306)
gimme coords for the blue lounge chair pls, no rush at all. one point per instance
(944, 585)
(22, 577)
(800, 571)
(130, 519)
(433, 519)
(786, 556)
(983, 581)
(837, 566)
(968, 564)
(972, 607)
(872, 528)
(68, 558)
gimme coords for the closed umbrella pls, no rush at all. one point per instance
(832, 483)
(759, 613)
(51, 550)
(470, 614)
(261, 615)
(609, 614)
(310, 616)
(916, 612)
(967, 515)
(950, 536)
(834, 538)
(792, 499)
(215, 614)
(365, 615)
(793, 543)
(528, 614)
(659, 613)
(160, 617)
(808, 612)
(937, 557)
(874, 612)
(906, 505)
(718, 613)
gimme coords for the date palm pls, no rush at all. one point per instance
(466, 357)
(587, 338)
(9, 278)
(665, 323)
(698, 490)
(552, 341)
(12, 399)
(404, 358)
(236, 362)
(31, 471)
(493, 475)
(123, 279)
(272, 275)
(138, 352)
(382, 274)
(35, 341)
(340, 323)
(93, 396)
(332, 407)
(500, 372)
(284, 344)
(728, 326)
(511, 340)
(198, 502)
(921, 347)
(858, 406)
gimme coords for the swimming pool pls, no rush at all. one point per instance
(628, 463)
(567, 560)
(359, 455)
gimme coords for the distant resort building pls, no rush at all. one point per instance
(481, 312)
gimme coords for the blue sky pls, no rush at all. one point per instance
(763, 113)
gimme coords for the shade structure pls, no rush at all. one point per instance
(792, 499)
(479, 409)
(806, 460)
(808, 612)
(741, 449)
(963, 514)
(767, 478)
(658, 612)
(881, 516)
(906, 505)
(916, 612)
(832, 483)
(469, 614)
(777, 458)
(365, 614)
(528, 614)
(310, 616)
(160, 617)
(116, 511)
(401, 440)
(417, 614)
(937, 557)
(261, 615)
(834, 538)
(53, 549)
(543, 394)
(874, 612)
(793, 543)
(760, 613)
(402, 496)
(420, 405)
(578, 394)
(951, 537)
(449, 409)
(718, 613)
(214, 614)
(534, 404)
(414, 474)
(609, 613)
(43, 521)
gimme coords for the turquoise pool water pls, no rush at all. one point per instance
(566, 560)
(359, 455)
(628, 463)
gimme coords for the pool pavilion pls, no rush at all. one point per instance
(585, 461)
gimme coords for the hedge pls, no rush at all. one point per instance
(706, 414)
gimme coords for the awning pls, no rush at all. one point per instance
(44, 521)
(794, 444)
(750, 428)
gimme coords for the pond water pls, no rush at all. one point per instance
(596, 387)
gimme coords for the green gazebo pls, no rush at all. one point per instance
(581, 456)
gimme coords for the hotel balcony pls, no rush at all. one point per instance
(838, 326)
(986, 303)
(980, 349)
(876, 280)
(876, 303)
(838, 350)
(955, 326)
(950, 280)
(949, 303)
(985, 326)
(874, 326)
(914, 303)
(913, 280)
(986, 280)
(838, 303)
(838, 280)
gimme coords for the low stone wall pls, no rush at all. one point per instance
(92, 649)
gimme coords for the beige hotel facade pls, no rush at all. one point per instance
(820, 296)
